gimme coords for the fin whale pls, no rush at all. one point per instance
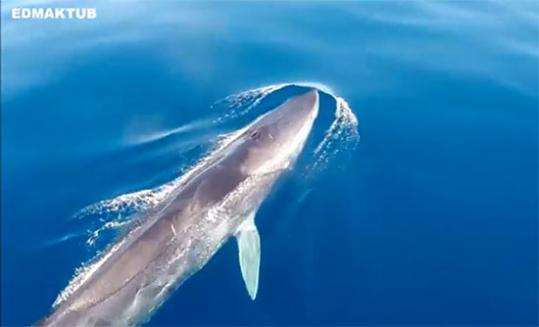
(138, 272)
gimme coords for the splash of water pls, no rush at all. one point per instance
(239, 104)
(342, 135)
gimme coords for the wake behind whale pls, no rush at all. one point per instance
(187, 220)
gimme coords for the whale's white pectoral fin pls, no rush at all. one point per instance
(249, 254)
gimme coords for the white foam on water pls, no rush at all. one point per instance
(342, 135)
(241, 103)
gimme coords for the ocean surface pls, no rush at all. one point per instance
(413, 203)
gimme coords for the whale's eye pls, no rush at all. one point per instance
(256, 134)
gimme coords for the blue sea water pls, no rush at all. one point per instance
(431, 219)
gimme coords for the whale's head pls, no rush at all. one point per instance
(276, 138)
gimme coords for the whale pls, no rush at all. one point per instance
(141, 269)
